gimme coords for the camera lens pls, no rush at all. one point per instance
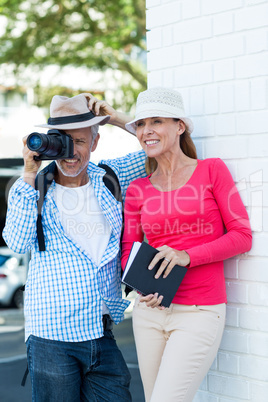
(35, 142)
(47, 144)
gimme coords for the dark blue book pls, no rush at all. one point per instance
(138, 277)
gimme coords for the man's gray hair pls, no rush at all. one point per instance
(94, 131)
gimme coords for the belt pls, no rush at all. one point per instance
(107, 322)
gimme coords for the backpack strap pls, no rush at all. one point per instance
(111, 181)
(42, 183)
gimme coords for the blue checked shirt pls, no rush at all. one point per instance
(65, 289)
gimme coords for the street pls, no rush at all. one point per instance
(13, 357)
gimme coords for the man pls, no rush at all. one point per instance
(73, 290)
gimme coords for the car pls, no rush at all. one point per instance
(13, 273)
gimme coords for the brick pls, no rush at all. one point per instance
(212, 6)
(163, 15)
(255, 65)
(265, 219)
(256, 216)
(259, 245)
(190, 30)
(226, 98)
(211, 100)
(253, 270)
(164, 58)
(251, 17)
(259, 196)
(185, 93)
(255, 149)
(154, 78)
(203, 127)
(225, 124)
(259, 391)
(253, 123)
(253, 170)
(237, 292)
(228, 363)
(202, 396)
(235, 147)
(190, 9)
(154, 39)
(223, 47)
(168, 78)
(235, 341)
(231, 316)
(254, 319)
(167, 36)
(254, 367)
(258, 294)
(259, 91)
(228, 386)
(223, 23)
(196, 101)
(242, 96)
(224, 70)
(192, 75)
(256, 41)
(192, 53)
(258, 344)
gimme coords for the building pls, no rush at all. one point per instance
(216, 54)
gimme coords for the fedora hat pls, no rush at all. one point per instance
(159, 102)
(72, 113)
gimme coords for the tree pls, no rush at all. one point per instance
(97, 34)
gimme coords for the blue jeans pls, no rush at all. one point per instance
(92, 371)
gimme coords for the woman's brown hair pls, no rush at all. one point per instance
(187, 147)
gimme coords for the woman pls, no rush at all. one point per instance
(190, 210)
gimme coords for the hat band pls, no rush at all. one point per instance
(70, 119)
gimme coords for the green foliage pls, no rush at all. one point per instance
(97, 34)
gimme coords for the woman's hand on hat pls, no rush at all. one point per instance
(102, 108)
(171, 257)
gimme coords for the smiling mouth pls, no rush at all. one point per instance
(151, 142)
(70, 160)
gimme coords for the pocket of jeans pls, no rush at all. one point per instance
(215, 318)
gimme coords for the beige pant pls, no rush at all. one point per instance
(176, 348)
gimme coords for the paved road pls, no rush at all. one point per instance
(13, 361)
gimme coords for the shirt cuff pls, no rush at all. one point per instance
(26, 189)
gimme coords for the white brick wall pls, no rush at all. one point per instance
(216, 53)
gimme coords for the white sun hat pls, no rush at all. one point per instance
(72, 113)
(159, 102)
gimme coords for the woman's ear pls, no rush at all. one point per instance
(181, 127)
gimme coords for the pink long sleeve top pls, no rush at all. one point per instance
(205, 217)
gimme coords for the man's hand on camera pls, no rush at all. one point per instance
(31, 166)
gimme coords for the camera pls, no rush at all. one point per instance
(56, 144)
